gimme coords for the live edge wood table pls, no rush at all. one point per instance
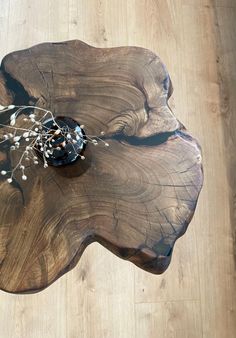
(135, 197)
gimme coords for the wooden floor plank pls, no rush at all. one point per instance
(103, 296)
(179, 282)
(214, 229)
(169, 320)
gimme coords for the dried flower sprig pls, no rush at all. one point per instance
(41, 137)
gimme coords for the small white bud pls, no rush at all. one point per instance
(27, 139)
(13, 122)
(12, 147)
(68, 136)
(27, 159)
(32, 116)
(13, 117)
(36, 162)
(107, 144)
(102, 133)
(22, 167)
(10, 135)
(26, 134)
(5, 137)
(45, 165)
(16, 138)
(82, 157)
(28, 148)
(3, 172)
(24, 177)
(57, 132)
(36, 129)
(81, 126)
(12, 106)
(9, 180)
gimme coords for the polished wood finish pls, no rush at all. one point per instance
(104, 296)
(135, 197)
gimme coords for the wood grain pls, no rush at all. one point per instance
(135, 197)
(105, 296)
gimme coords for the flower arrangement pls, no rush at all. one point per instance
(45, 137)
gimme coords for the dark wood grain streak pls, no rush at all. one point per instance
(135, 197)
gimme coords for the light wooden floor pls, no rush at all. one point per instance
(105, 296)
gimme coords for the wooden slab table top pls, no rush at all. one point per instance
(135, 197)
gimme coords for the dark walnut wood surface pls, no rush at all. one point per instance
(135, 197)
